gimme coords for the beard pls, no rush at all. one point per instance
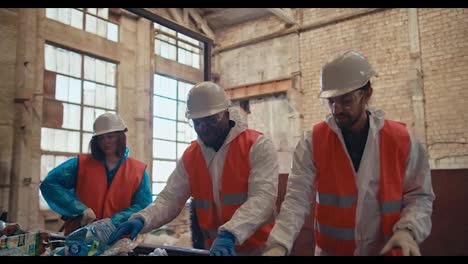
(345, 120)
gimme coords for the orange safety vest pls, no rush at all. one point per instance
(91, 185)
(233, 192)
(336, 198)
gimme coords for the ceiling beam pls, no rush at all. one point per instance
(176, 15)
(185, 15)
(284, 14)
(201, 23)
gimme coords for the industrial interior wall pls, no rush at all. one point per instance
(133, 94)
(386, 37)
(383, 37)
(8, 27)
(444, 52)
(260, 63)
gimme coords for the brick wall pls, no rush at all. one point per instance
(383, 38)
(444, 51)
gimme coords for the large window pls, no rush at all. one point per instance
(94, 20)
(171, 131)
(176, 46)
(77, 89)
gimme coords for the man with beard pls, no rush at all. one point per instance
(369, 176)
(230, 171)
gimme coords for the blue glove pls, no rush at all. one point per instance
(131, 228)
(223, 245)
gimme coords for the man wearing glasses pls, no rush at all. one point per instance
(369, 176)
(230, 171)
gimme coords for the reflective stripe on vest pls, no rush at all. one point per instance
(201, 204)
(91, 185)
(234, 199)
(233, 191)
(337, 233)
(336, 188)
(335, 200)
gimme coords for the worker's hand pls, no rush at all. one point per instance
(87, 217)
(131, 227)
(403, 239)
(223, 245)
(275, 251)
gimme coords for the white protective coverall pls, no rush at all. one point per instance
(260, 206)
(418, 195)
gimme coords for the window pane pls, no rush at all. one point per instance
(185, 132)
(73, 141)
(89, 68)
(110, 73)
(164, 50)
(47, 164)
(157, 48)
(52, 13)
(91, 24)
(75, 64)
(164, 107)
(182, 107)
(183, 90)
(102, 28)
(86, 140)
(181, 147)
(76, 18)
(74, 91)
(112, 32)
(165, 86)
(196, 60)
(164, 149)
(103, 12)
(110, 97)
(158, 187)
(63, 63)
(172, 52)
(164, 129)
(100, 71)
(71, 116)
(100, 95)
(64, 15)
(181, 54)
(162, 170)
(92, 11)
(50, 57)
(188, 58)
(61, 88)
(88, 119)
(46, 138)
(89, 93)
(59, 140)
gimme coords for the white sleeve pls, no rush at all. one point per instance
(259, 207)
(169, 202)
(296, 203)
(418, 195)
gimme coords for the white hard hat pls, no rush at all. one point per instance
(344, 73)
(107, 123)
(205, 99)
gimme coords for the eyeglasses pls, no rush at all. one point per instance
(211, 120)
(346, 100)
